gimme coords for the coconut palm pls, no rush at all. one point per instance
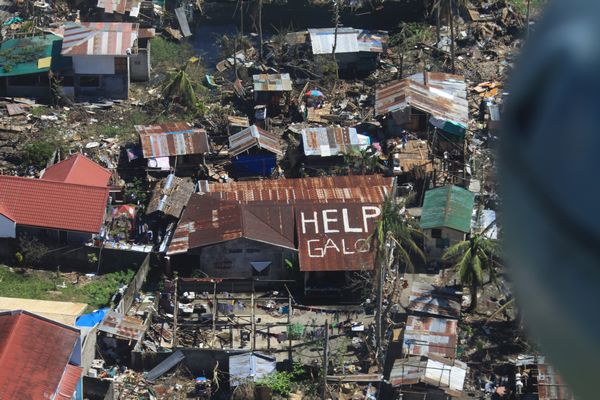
(179, 86)
(364, 161)
(471, 259)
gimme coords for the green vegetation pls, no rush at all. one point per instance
(38, 153)
(281, 381)
(521, 5)
(165, 54)
(44, 285)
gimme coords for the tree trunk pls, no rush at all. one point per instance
(260, 32)
(336, 20)
(241, 17)
(473, 291)
(437, 24)
(527, 19)
(452, 47)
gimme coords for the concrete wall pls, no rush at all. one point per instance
(232, 259)
(7, 227)
(88, 350)
(139, 65)
(55, 235)
(436, 247)
(97, 389)
(134, 286)
(109, 87)
(94, 65)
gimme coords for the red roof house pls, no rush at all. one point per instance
(49, 204)
(78, 169)
(38, 358)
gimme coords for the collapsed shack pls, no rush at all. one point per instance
(255, 152)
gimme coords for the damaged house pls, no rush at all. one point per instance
(329, 143)
(327, 221)
(105, 57)
(272, 91)
(254, 151)
(173, 145)
(356, 50)
(445, 218)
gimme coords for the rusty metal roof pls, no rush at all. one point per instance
(123, 326)
(132, 7)
(551, 386)
(272, 83)
(448, 375)
(432, 100)
(172, 139)
(331, 141)
(449, 83)
(170, 196)
(427, 299)
(429, 335)
(208, 221)
(254, 136)
(99, 38)
(335, 189)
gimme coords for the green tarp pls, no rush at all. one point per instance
(30, 55)
(448, 207)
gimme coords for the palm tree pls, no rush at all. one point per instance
(395, 241)
(471, 259)
(179, 86)
(364, 161)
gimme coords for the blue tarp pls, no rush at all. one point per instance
(91, 319)
(255, 164)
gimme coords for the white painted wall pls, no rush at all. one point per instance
(101, 65)
(7, 227)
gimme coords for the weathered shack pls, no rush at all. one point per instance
(254, 151)
(326, 142)
(445, 218)
(272, 90)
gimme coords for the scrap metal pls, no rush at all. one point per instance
(172, 139)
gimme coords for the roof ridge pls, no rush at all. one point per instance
(53, 182)
(12, 334)
(247, 209)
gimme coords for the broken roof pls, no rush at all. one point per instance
(54, 205)
(448, 207)
(551, 386)
(123, 326)
(132, 7)
(440, 100)
(426, 298)
(414, 154)
(77, 169)
(170, 196)
(99, 38)
(172, 139)
(439, 372)
(254, 136)
(331, 141)
(35, 55)
(349, 40)
(337, 189)
(429, 335)
(34, 357)
(208, 221)
(272, 83)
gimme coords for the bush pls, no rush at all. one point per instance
(37, 154)
(165, 54)
(32, 250)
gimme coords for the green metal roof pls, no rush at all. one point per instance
(20, 56)
(448, 207)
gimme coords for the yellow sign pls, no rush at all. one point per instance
(44, 62)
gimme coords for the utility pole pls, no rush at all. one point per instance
(260, 32)
(452, 47)
(336, 21)
(289, 324)
(175, 312)
(325, 360)
(215, 313)
(253, 318)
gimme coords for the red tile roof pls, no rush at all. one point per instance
(78, 169)
(55, 205)
(34, 354)
(68, 383)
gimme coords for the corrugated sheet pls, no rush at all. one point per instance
(172, 139)
(448, 375)
(449, 83)
(68, 383)
(170, 196)
(427, 335)
(252, 366)
(336, 237)
(132, 7)
(272, 83)
(336, 189)
(425, 298)
(415, 154)
(432, 100)
(99, 38)
(322, 40)
(448, 207)
(372, 41)
(330, 141)
(208, 221)
(254, 136)
(551, 386)
(123, 326)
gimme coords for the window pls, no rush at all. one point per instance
(89, 81)
(436, 233)
(120, 65)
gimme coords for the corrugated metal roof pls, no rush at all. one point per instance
(428, 335)
(427, 299)
(123, 326)
(449, 83)
(170, 196)
(349, 40)
(172, 139)
(272, 83)
(448, 375)
(331, 141)
(254, 136)
(99, 38)
(432, 100)
(551, 386)
(132, 7)
(34, 354)
(336, 237)
(448, 207)
(335, 189)
(208, 221)
(372, 41)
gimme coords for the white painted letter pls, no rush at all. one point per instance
(375, 212)
(319, 251)
(326, 221)
(311, 221)
(330, 244)
(362, 246)
(344, 250)
(347, 227)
